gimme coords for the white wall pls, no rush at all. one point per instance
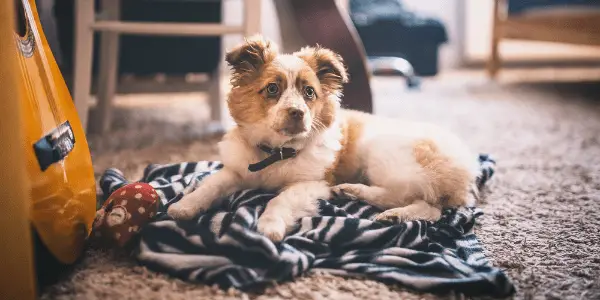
(233, 14)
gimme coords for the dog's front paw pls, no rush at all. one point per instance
(183, 211)
(273, 227)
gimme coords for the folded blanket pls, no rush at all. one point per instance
(223, 247)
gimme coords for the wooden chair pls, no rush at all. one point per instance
(571, 26)
(110, 26)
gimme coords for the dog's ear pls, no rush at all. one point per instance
(248, 59)
(328, 65)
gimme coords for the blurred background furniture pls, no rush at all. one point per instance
(561, 21)
(388, 29)
(390, 66)
(175, 38)
(323, 22)
(180, 18)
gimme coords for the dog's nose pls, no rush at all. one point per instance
(295, 113)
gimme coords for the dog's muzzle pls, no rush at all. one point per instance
(294, 122)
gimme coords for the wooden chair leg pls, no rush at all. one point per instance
(252, 25)
(215, 95)
(494, 62)
(17, 280)
(82, 74)
(108, 73)
(215, 99)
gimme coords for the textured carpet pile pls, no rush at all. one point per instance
(542, 213)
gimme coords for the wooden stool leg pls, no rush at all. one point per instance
(215, 97)
(84, 42)
(108, 73)
(494, 60)
(17, 280)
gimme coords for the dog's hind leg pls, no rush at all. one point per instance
(397, 207)
(418, 210)
(373, 195)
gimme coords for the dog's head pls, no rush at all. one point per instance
(277, 97)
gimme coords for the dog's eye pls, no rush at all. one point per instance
(309, 92)
(272, 89)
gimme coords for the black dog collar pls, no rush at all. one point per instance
(275, 155)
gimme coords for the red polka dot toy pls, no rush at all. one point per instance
(123, 214)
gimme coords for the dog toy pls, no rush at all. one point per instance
(123, 214)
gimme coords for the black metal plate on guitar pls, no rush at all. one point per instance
(55, 146)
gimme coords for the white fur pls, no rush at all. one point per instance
(387, 147)
(300, 180)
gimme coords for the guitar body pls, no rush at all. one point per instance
(59, 165)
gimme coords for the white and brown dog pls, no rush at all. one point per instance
(293, 137)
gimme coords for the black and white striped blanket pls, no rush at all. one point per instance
(223, 247)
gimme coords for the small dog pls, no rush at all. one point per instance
(293, 137)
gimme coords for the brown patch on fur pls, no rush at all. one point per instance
(328, 66)
(447, 180)
(249, 103)
(322, 107)
(249, 59)
(307, 77)
(329, 69)
(346, 168)
(324, 111)
(250, 63)
(327, 113)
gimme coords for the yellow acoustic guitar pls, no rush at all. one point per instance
(59, 166)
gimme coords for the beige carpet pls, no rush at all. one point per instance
(542, 216)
